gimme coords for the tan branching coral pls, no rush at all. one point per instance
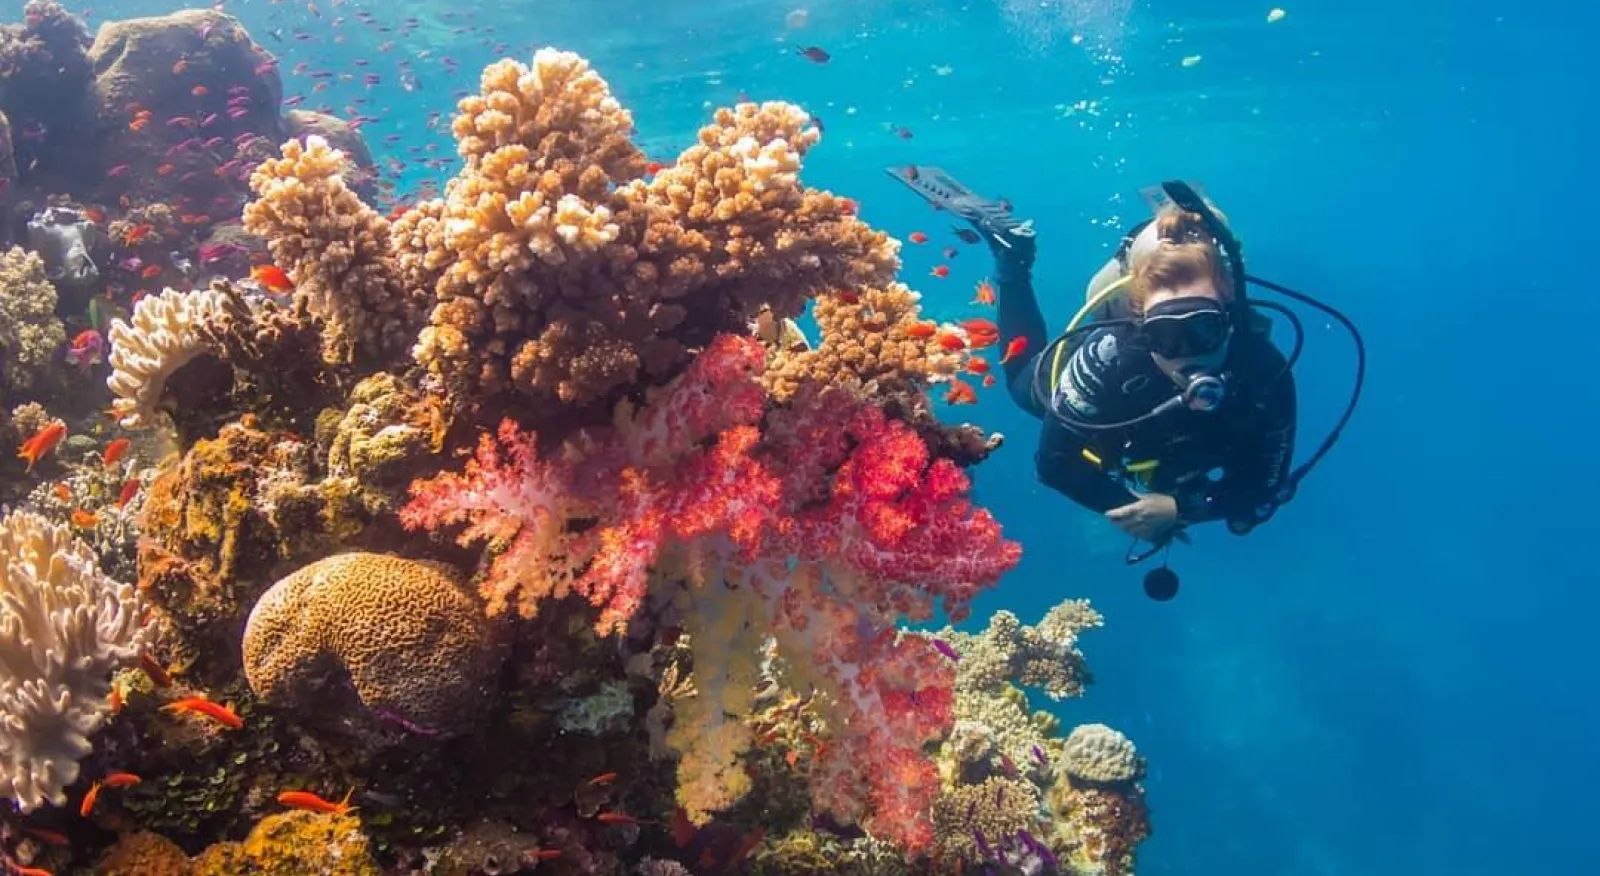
(30, 333)
(336, 249)
(64, 629)
(164, 333)
(870, 337)
(415, 646)
(996, 808)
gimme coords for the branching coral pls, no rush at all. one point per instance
(416, 649)
(64, 628)
(335, 248)
(30, 333)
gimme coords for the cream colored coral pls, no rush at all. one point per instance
(30, 333)
(414, 645)
(165, 332)
(1097, 753)
(64, 628)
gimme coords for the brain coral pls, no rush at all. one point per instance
(1097, 753)
(416, 648)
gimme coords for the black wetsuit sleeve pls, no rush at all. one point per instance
(1259, 462)
(1017, 315)
(1088, 390)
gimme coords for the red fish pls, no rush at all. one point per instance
(940, 271)
(87, 349)
(308, 800)
(961, 393)
(917, 237)
(272, 277)
(814, 54)
(42, 442)
(202, 706)
(115, 451)
(984, 293)
(981, 333)
(1014, 349)
(129, 490)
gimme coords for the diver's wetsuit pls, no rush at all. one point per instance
(1108, 378)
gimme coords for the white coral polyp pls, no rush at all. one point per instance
(64, 628)
(165, 333)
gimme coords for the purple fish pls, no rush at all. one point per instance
(1038, 755)
(983, 844)
(396, 718)
(947, 650)
(131, 263)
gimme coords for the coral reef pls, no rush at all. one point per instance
(416, 649)
(164, 333)
(64, 628)
(30, 333)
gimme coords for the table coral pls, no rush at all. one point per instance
(416, 649)
(64, 628)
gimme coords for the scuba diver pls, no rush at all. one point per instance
(1166, 374)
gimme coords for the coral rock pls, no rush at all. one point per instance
(416, 648)
(143, 854)
(1097, 753)
(293, 844)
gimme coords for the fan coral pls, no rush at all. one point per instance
(30, 334)
(416, 649)
(64, 628)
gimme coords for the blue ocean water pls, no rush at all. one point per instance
(1394, 676)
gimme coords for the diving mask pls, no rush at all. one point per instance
(1191, 327)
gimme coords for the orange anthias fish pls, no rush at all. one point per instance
(49, 837)
(985, 293)
(951, 341)
(941, 271)
(921, 330)
(42, 442)
(977, 365)
(308, 800)
(981, 333)
(961, 393)
(119, 779)
(136, 234)
(917, 237)
(1014, 349)
(619, 818)
(82, 519)
(202, 706)
(115, 451)
(603, 779)
(63, 492)
(89, 798)
(129, 490)
(272, 277)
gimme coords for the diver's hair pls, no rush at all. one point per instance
(1186, 253)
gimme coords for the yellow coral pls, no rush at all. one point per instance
(293, 844)
(30, 333)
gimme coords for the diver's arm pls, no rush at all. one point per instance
(1247, 494)
(1062, 467)
(1088, 393)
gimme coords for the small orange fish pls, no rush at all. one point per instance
(981, 333)
(84, 519)
(961, 393)
(32, 871)
(137, 232)
(152, 270)
(42, 442)
(951, 341)
(138, 124)
(62, 492)
(166, 169)
(272, 277)
(49, 837)
(199, 91)
(539, 854)
(129, 490)
(921, 330)
(654, 168)
(917, 237)
(87, 806)
(202, 706)
(603, 779)
(1014, 349)
(308, 800)
(117, 779)
(977, 365)
(115, 451)
(988, 381)
(619, 818)
(985, 293)
(179, 66)
(940, 271)
(116, 698)
(848, 207)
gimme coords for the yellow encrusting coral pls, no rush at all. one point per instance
(293, 844)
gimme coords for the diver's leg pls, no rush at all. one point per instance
(1018, 316)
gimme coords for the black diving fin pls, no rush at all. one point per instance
(945, 192)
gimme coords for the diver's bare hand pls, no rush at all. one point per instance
(1151, 517)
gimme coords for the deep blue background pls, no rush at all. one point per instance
(1396, 676)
